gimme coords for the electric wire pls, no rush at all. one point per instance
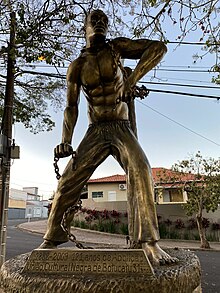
(181, 79)
(61, 76)
(193, 43)
(186, 70)
(178, 123)
(183, 94)
(181, 85)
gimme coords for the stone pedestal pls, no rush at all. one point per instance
(99, 271)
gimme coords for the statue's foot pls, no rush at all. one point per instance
(157, 255)
(47, 244)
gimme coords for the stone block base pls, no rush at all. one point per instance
(123, 275)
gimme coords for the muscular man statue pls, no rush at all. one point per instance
(99, 73)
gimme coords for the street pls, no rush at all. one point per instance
(19, 242)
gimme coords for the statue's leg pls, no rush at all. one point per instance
(141, 208)
(143, 226)
(91, 152)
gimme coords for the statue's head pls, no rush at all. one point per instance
(96, 23)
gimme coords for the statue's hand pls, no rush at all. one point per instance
(63, 150)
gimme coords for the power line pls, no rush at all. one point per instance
(61, 76)
(183, 66)
(161, 68)
(183, 94)
(182, 85)
(64, 67)
(193, 43)
(180, 70)
(153, 77)
(181, 125)
(183, 79)
(185, 70)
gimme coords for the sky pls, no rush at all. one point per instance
(170, 127)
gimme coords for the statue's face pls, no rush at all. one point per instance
(97, 23)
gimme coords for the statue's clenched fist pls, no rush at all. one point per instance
(63, 150)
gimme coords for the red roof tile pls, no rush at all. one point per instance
(159, 175)
(113, 178)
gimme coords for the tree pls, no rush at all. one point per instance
(203, 189)
(52, 31)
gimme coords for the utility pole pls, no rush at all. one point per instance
(6, 138)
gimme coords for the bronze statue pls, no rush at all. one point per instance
(107, 88)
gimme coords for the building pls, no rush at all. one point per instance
(26, 203)
(17, 203)
(114, 188)
(111, 193)
(111, 188)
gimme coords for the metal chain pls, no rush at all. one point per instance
(73, 209)
(140, 92)
(56, 168)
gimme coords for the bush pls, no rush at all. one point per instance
(103, 221)
(163, 230)
(124, 229)
(115, 222)
(192, 224)
(215, 226)
(175, 235)
(205, 223)
(196, 236)
(212, 237)
(179, 224)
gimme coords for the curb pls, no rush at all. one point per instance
(29, 231)
(175, 244)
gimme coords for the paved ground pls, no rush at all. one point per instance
(90, 236)
(103, 239)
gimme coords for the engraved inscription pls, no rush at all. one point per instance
(89, 261)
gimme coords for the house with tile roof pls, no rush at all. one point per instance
(114, 188)
(110, 193)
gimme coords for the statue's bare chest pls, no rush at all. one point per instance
(98, 67)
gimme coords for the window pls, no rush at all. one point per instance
(176, 195)
(112, 196)
(173, 195)
(37, 212)
(97, 194)
(166, 196)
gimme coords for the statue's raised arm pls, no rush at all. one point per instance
(149, 53)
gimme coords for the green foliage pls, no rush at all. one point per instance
(168, 229)
(103, 221)
(52, 30)
(203, 189)
(124, 229)
(186, 230)
(39, 33)
(200, 178)
(196, 236)
(108, 226)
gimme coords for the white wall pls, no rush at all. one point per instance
(17, 194)
(120, 194)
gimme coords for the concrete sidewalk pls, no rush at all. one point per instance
(100, 238)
